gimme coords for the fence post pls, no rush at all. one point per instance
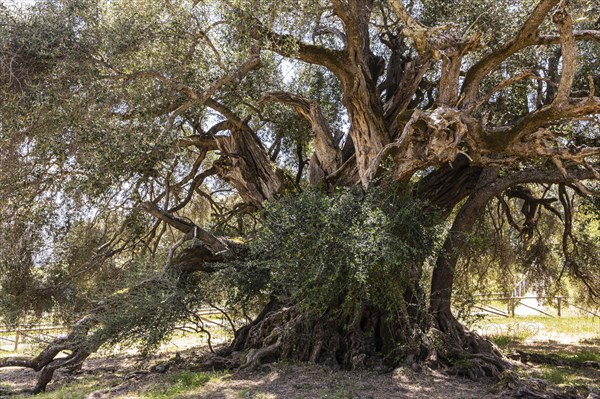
(17, 336)
(559, 300)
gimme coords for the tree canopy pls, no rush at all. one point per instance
(344, 161)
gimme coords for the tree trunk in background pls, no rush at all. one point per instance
(455, 244)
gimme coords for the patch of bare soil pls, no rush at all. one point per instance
(109, 368)
(16, 379)
(313, 381)
(280, 381)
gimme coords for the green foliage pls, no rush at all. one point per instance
(242, 286)
(561, 376)
(347, 249)
(89, 129)
(174, 385)
(511, 333)
(145, 315)
(581, 355)
(499, 256)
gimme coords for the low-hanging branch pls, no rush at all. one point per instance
(215, 244)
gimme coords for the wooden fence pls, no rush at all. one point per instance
(10, 339)
(556, 302)
(16, 336)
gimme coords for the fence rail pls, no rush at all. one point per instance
(512, 302)
(37, 333)
(12, 338)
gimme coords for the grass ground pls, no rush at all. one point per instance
(573, 339)
(568, 338)
(564, 329)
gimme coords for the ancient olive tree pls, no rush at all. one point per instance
(334, 139)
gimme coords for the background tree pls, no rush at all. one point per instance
(139, 137)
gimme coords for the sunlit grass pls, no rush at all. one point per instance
(575, 327)
(563, 376)
(570, 339)
(582, 355)
(174, 385)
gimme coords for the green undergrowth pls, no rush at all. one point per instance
(580, 355)
(509, 337)
(566, 376)
(179, 384)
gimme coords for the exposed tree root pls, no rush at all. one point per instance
(513, 386)
(465, 352)
(471, 355)
(367, 339)
(47, 362)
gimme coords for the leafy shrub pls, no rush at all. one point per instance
(349, 248)
(345, 251)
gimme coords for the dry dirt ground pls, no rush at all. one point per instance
(321, 382)
(281, 381)
(128, 377)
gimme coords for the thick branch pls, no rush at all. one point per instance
(356, 14)
(579, 35)
(569, 55)
(206, 142)
(525, 37)
(412, 28)
(340, 9)
(451, 63)
(408, 85)
(245, 164)
(46, 360)
(544, 143)
(442, 279)
(501, 138)
(489, 186)
(448, 185)
(215, 244)
(225, 111)
(326, 149)
(289, 46)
